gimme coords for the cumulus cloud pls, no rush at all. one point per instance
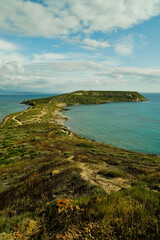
(7, 46)
(68, 66)
(9, 52)
(47, 57)
(126, 45)
(92, 44)
(74, 75)
(133, 74)
(56, 18)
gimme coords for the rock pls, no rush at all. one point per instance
(5, 236)
(27, 226)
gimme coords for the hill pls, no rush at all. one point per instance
(91, 97)
(56, 185)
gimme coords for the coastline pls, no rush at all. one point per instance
(56, 183)
(99, 123)
(84, 128)
(59, 117)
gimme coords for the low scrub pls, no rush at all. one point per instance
(84, 145)
(112, 173)
(130, 214)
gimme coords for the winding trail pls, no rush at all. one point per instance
(14, 118)
(17, 121)
(5, 120)
(43, 113)
(90, 174)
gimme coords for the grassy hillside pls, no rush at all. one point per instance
(57, 185)
(91, 97)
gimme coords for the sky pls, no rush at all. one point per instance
(68, 45)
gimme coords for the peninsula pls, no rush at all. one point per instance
(55, 184)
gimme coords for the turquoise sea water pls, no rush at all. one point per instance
(11, 103)
(133, 126)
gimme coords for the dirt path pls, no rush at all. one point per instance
(17, 121)
(36, 118)
(5, 120)
(89, 172)
(14, 118)
(43, 113)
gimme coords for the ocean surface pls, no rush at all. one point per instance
(11, 103)
(133, 125)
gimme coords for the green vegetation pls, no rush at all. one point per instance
(90, 97)
(57, 185)
(122, 215)
(84, 145)
(112, 173)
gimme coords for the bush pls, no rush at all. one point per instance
(130, 214)
(85, 145)
(112, 173)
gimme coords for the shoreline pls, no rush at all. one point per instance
(60, 118)
(63, 118)
(49, 175)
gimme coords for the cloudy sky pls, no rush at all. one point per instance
(67, 45)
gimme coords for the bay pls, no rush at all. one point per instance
(129, 125)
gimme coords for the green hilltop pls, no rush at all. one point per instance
(55, 184)
(91, 97)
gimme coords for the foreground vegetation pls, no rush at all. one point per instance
(56, 185)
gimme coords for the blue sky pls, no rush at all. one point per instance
(67, 45)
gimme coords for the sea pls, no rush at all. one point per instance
(129, 125)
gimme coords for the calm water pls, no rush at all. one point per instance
(134, 126)
(11, 103)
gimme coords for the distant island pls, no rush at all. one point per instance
(57, 185)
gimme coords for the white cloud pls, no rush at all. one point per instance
(7, 46)
(68, 66)
(74, 75)
(134, 74)
(93, 44)
(9, 52)
(57, 18)
(47, 57)
(12, 57)
(125, 46)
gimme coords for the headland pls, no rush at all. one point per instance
(57, 185)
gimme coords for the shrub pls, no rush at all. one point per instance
(85, 145)
(112, 173)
